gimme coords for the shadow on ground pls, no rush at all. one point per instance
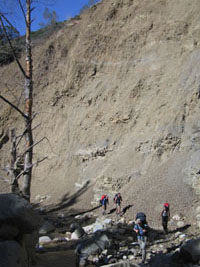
(68, 200)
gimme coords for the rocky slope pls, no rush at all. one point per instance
(116, 93)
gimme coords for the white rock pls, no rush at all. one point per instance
(131, 257)
(44, 239)
(97, 226)
(124, 257)
(104, 252)
(176, 217)
(183, 236)
(74, 236)
(68, 235)
(107, 221)
(89, 228)
(122, 220)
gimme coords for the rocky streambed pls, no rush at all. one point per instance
(88, 240)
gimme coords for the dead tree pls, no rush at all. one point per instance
(28, 107)
(27, 115)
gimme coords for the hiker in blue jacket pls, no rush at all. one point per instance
(141, 231)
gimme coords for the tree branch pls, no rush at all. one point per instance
(22, 9)
(34, 144)
(11, 46)
(13, 106)
(35, 163)
(21, 136)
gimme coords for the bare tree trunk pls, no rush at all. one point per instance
(13, 170)
(28, 108)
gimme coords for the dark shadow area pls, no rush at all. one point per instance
(67, 200)
(161, 259)
(124, 210)
(85, 211)
(111, 211)
(181, 229)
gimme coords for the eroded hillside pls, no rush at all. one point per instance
(117, 92)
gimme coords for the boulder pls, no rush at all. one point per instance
(19, 225)
(8, 232)
(12, 254)
(91, 246)
(190, 251)
(16, 211)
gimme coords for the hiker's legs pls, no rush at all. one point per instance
(164, 225)
(104, 209)
(143, 248)
(118, 208)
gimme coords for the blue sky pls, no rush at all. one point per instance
(63, 8)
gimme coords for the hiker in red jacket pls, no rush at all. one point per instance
(165, 215)
(104, 201)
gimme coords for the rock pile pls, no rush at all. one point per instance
(108, 242)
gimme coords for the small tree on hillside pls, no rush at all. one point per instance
(50, 18)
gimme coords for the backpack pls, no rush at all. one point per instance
(142, 217)
(103, 199)
(117, 198)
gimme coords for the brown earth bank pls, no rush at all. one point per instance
(116, 92)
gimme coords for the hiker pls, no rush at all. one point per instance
(165, 215)
(117, 200)
(104, 201)
(141, 229)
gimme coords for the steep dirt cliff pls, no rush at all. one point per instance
(117, 94)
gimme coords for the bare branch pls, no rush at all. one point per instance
(39, 160)
(22, 9)
(35, 144)
(19, 175)
(13, 106)
(21, 136)
(10, 91)
(31, 10)
(35, 163)
(11, 46)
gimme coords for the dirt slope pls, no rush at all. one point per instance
(117, 95)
